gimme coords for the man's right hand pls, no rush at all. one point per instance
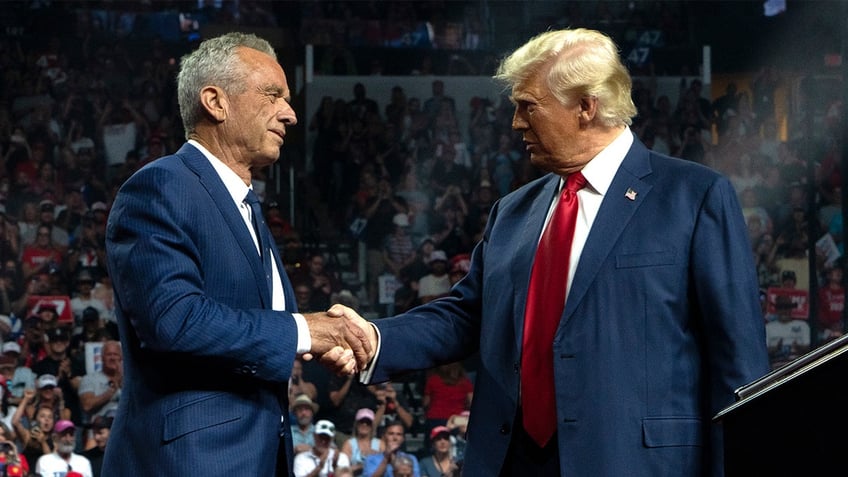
(338, 342)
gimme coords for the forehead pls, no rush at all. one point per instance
(533, 87)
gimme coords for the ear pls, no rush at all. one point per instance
(588, 109)
(215, 102)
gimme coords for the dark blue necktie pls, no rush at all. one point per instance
(263, 235)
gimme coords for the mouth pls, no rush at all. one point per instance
(280, 134)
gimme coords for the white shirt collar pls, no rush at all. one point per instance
(600, 171)
(235, 186)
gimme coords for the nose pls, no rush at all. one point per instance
(518, 121)
(287, 114)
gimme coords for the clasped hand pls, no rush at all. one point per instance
(341, 339)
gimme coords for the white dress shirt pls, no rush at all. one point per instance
(238, 190)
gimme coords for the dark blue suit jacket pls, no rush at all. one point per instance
(662, 323)
(206, 360)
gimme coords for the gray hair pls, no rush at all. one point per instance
(214, 62)
(400, 460)
(583, 63)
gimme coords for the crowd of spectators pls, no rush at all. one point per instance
(80, 112)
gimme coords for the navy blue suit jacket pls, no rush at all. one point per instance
(661, 324)
(206, 360)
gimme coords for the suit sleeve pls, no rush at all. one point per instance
(183, 284)
(727, 293)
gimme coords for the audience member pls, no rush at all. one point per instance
(321, 282)
(322, 459)
(347, 397)
(787, 337)
(440, 463)
(302, 428)
(18, 377)
(391, 407)
(67, 372)
(33, 433)
(447, 391)
(92, 331)
(436, 283)
(100, 429)
(832, 304)
(83, 298)
(298, 384)
(63, 459)
(381, 464)
(100, 391)
(363, 442)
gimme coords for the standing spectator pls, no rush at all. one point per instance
(303, 429)
(100, 429)
(18, 377)
(47, 218)
(87, 251)
(68, 372)
(447, 391)
(34, 434)
(832, 303)
(363, 442)
(434, 104)
(32, 343)
(322, 283)
(121, 128)
(347, 397)
(41, 255)
(391, 407)
(100, 391)
(436, 283)
(322, 459)
(398, 250)
(83, 299)
(92, 331)
(787, 337)
(298, 384)
(63, 459)
(361, 105)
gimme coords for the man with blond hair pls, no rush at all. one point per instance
(613, 301)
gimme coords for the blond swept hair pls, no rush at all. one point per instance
(582, 63)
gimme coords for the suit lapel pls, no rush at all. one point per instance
(209, 179)
(626, 193)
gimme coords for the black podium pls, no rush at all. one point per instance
(792, 421)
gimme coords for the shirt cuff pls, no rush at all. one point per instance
(304, 339)
(365, 374)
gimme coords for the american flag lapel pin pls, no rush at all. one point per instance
(630, 194)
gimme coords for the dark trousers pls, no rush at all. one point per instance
(526, 459)
(282, 461)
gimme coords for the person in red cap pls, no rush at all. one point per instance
(441, 462)
(63, 459)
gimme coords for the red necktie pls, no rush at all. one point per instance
(545, 303)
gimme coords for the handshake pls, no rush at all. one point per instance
(341, 339)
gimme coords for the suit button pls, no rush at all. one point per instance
(505, 429)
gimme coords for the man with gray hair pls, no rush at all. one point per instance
(613, 301)
(207, 316)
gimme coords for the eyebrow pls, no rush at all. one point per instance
(276, 91)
